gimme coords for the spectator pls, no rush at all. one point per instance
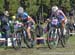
(71, 14)
(5, 27)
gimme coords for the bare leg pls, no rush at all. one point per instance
(28, 31)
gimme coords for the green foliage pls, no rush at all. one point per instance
(72, 2)
(34, 6)
(14, 4)
(54, 2)
(66, 5)
(1, 5)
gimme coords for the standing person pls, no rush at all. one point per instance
(1, 15)
(62, 19)
(71, 15)
(5, 26)
(25, 19)
(12, 24)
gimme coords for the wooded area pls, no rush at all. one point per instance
(36, 8)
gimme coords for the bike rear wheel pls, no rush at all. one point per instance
(33, 38)
(63, 39)
(25, 38)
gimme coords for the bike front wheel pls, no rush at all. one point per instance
(52, 39)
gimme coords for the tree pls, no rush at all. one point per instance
(14, 4)
(72, 2)
(66, 5)
(22, 3)
(31, 7)
(35, 7)
(1, 5)
(6, 5)
(54, 2)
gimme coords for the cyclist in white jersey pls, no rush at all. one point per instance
(60, 16)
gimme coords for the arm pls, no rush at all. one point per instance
(63, 15)
(30, 19)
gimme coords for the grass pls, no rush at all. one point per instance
(69, 50)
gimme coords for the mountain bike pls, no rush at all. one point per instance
(56, 36)
(21, 34)
(52, 37)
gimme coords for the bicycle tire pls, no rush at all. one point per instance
(33, 39)
(54, 45)
(17, 42)
(62, 39)
(25, 38)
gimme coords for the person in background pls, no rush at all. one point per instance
(1, 15)
(5, 26)
(47, 25)
(71, 24)
(71, 14)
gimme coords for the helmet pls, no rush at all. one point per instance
(6, 13)
(13, 17)
(20, 10)
(54, 8)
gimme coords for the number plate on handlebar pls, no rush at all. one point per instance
(54, 22)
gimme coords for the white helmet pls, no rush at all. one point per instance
(20, 10)
(54, 8)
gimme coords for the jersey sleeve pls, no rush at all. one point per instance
(25, 15)
(60, 11)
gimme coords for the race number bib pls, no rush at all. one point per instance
(54, 22)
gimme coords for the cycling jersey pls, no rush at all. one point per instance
(23, 16)
(59, 15)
